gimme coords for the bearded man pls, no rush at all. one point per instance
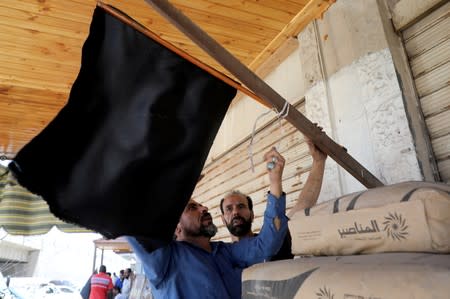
(237, 208)
(194, 267)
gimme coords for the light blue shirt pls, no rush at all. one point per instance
(183, 270)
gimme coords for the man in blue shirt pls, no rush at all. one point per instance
(194, 267)
(119, 281)
(237, 208)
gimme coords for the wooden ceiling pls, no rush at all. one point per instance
(41, 40)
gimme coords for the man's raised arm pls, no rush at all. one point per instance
(310, 192)
(249, 251)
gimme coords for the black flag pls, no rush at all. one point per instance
(124, 154)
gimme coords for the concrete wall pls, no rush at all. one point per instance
(317, 104)
(359, 92)
(344, 68)
(286, 79)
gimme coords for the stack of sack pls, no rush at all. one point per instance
(387, 242)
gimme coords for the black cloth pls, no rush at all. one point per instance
(124, 154)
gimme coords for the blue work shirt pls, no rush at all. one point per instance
(118, 283)
(183, 270)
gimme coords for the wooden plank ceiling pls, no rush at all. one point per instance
(41, 40)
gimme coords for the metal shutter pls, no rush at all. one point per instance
(427, 44)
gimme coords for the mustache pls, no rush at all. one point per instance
(205, 216)
(238, 218)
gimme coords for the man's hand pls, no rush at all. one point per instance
(316, 153)
(275, 163)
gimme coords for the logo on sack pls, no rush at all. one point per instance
(395, 226)
(324, 293)
(358, 228)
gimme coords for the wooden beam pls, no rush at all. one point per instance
(286, 41)
(313, 10)
(252, 81)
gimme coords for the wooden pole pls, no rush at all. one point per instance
(261, 89)
(101, 258)
(95, 258)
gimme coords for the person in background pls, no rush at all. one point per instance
(86, 290)
(119, 281)
(115, 292)
(237, 208)
(127, 284)
(114, 278)
(101, 284)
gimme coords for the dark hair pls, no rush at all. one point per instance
(102, 269)
(236, 192)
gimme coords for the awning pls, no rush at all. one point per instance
(118, 245)
(24, 213)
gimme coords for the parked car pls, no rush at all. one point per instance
(52, 291)
(38, 288)
(5, 291)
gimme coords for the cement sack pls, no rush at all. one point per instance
(375, 276)
(412, 216)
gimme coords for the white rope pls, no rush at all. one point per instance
(280, 115)
(283, 113)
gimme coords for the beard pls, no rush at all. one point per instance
(239, 230)
(209, 230)
(205, 230)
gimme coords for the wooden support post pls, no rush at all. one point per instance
(101, 258)
(261, 89)
(95, 258)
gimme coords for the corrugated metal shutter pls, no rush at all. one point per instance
(232, 171)
(427, 44)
